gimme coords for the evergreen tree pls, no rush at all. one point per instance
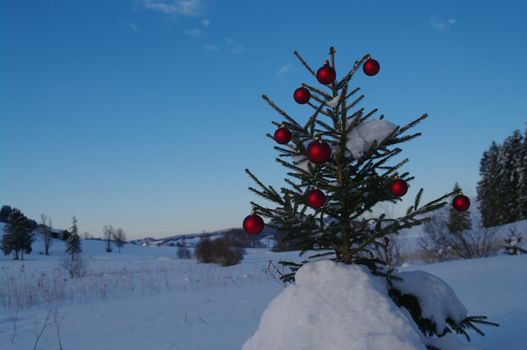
(509, 163)
(73, 244)
(458, 221)
(341, 166)
(18, 236)
(490, 202)
(513, 244)
(4, 213)
(523, 180)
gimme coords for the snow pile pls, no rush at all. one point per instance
(362, 136)
(437, 299)
(335, 306)
(450, 342)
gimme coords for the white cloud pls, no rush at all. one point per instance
(211, 47)
(180, 7)
(283, 70)
(193, 32)
(133, 26)
(234, 47)
(205, 22)
(442, 26)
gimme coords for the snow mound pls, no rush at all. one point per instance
(362, 136)
(437, 299)
(451, 342)
(335, 306)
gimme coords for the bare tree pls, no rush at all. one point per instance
(439, 244)
(120, 238)
(46, 225)
(108, 234)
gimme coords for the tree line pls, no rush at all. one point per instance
(502, 189)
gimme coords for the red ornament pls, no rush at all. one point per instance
(398, 187)
(315, 198)
(282, 135)
(302, 95)
(318, 152)
(461, 202)
(371, 67)
(253, 224)
(326, 74)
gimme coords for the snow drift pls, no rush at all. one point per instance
(337, 306)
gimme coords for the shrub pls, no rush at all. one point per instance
(219, 251)
(183, 253)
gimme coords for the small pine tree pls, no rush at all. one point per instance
(73, 244)
(513, 244)
(18, 236)
(120, 238)
(345, 157)
(458, 221)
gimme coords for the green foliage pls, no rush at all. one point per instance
(458, 221)
(18, 237)
(341, 230)
(73, 244)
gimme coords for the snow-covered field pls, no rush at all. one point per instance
(145, 299)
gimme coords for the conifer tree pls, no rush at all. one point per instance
(73, 244)
(513, 244)
(490, 202)
(458, 221)
(509, 163)
(341, 165)
(18, 236)
(523, 180)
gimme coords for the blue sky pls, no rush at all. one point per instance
(143, 114)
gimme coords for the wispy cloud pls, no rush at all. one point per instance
(133, 27)
(205, 22)
(211, 47)
(235, 47)
(283, 70)
(193, 32)
(171, 7)
(441, 25)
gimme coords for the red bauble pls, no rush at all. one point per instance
(315, 198)
(461, 202)
(318, 152)
(398, 187)
(326, 74)
(253, 224)
(302, 95)
(371, 67)
(282, 135)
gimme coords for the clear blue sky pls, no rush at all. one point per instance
(143, 114)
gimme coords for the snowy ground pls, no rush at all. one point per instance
(145, 299)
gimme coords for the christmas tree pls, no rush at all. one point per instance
(341, 164)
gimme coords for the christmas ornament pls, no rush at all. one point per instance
(371, 67)
(282, 135)
(302, 95)
(315, 198)
(326, 74)
(253, 224)
(461, 202)
(318, 151)
(398, 187)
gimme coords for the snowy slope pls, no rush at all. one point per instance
(185, 305)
